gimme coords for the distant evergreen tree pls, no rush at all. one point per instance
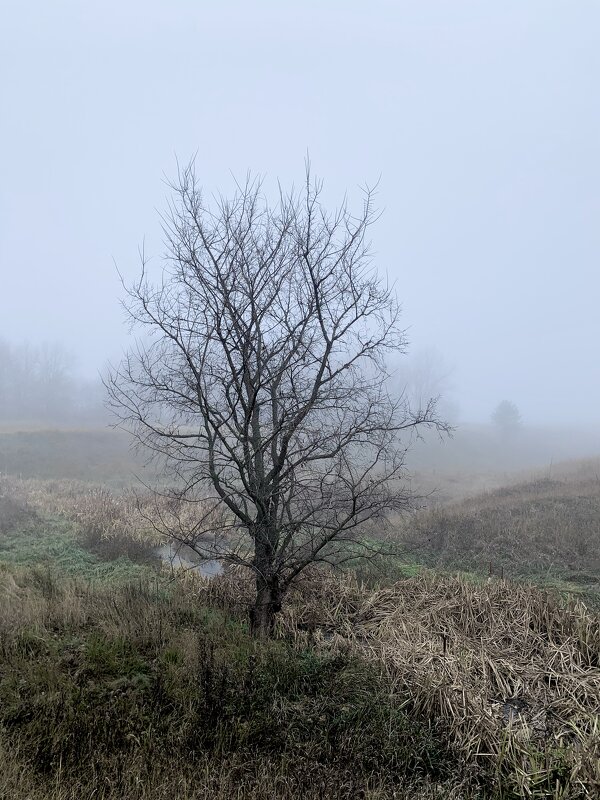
(507, 417)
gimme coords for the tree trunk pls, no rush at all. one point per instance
(267, 601)
(267, 604)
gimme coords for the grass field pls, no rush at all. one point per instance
(474, 460)
(422, 676)
(98, 455)
(430, 688)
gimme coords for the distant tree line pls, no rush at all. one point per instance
(38, 383)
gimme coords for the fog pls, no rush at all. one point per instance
(479, 120)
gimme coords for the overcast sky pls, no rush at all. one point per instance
(482, 119)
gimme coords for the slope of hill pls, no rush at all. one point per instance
(547, 527)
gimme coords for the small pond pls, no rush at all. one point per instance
(174, 557)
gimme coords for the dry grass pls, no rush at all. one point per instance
(513, 670)
(508, 675)
(142, 693)
(110, 524)
(548, 524)
(505, 674)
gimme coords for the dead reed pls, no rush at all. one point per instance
(513, 670)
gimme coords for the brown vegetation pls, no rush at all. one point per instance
(428, 687)
(432, 687)
(513, 670)
(111, 523)
(548, 524)
(145, 694)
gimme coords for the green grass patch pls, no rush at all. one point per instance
(52, 543)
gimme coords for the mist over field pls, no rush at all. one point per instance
(299, 400)
(478, 121)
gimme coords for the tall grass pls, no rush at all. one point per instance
(433, 687)
(429, 686)
(35, 529)
(547, 525)
(102, 516)
(140, 692)
(512, 670)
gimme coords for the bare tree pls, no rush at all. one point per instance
(261, 382)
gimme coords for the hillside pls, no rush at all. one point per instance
(547, 528)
